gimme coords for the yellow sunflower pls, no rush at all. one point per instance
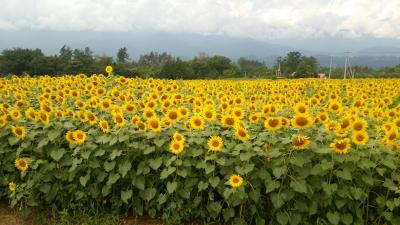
(109, 69)
(19, 132)
(341, 146)
(215, 143)
(176, 147)
(359, 125)
(360, 138)
(196, 122)
(235, 181)
(79, 136)
(242, 133)
(178, 137)
(273, 123)
(228, 121)
(21, 164)
(300, 142)
(154, 124)
(104, 126)
(301, 121)
(12, 186)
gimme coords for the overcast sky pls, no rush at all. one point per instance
(260, 19)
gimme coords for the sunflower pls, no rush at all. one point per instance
(21, 164)
(301, 121)
(18, 132)
(109, 69)
(70, 137)
(254, 118)
(91, 117)
(237, 112)
(335, 107)
(301, 108)
(359, 125)
(79, 136)
(106, 104)
(209, 114)
(178, 137)
(300, 142)
(119, 120)
(285, 122)
(176, 147)
(173, 115)
(228, 121)
(12, 186)
(148, 114)
(242, 133)
(3, 121)
(15, 114)
(44, 117)
(340, 132)
(360, 138)
(196, 122)
(215, 143)
(141, 126)
(135, 119)
(104, 126)
(129, 108)
(30, 114)
(183, 111)
(273, 123)
(154, 124)
(235, 181)
(341, 146)
(391, 136)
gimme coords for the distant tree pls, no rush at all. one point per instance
(83, 61)
(122, 55)
(220, 63)
(18, 61)
(176, 69)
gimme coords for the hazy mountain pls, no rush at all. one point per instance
(365, 50)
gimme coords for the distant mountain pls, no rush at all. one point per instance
(365, 50)
(380, 51)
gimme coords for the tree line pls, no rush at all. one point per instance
(20, 61)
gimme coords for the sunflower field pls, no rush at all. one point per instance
(306, 151)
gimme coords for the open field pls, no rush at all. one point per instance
(317, 151)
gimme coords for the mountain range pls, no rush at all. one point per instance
(365, 51)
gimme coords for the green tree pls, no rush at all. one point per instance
(177, 69)
(122, 55)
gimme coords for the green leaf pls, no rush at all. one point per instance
(84, 179)
(13, 140)
(214, 208)
(347, 218)
(155, 163)
(202, 185)
(124, 167)
(245, 156)
(228, 213)
(277, 200)
(126, 195)
(323, 150)
(167, 171)
(57, 154)
(108, 166)
(150, 193)
(53, 135)
(282, 218)
(115, 153)
(272, 185)
(159, 142)
(149, 150)
(112, 178)
(333, 217)
(214, 181)
(344, 174)
(279, 171)
(209, 168)
(171, 187)
(299, 186)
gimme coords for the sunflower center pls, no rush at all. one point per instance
(173, 115)
(215, 143)
(18, 131)
(273, 122)
(301, 121)
(360, 137)
(358, 126)
(154, 124)
(230, 121)
(341, 145)
(197, 122)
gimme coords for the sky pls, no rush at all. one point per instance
(258, 19)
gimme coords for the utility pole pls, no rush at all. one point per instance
(278, 71)
(345, 65)
(330, 67)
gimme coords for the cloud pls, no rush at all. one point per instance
(261, 19)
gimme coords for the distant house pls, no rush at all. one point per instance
(321, 75)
